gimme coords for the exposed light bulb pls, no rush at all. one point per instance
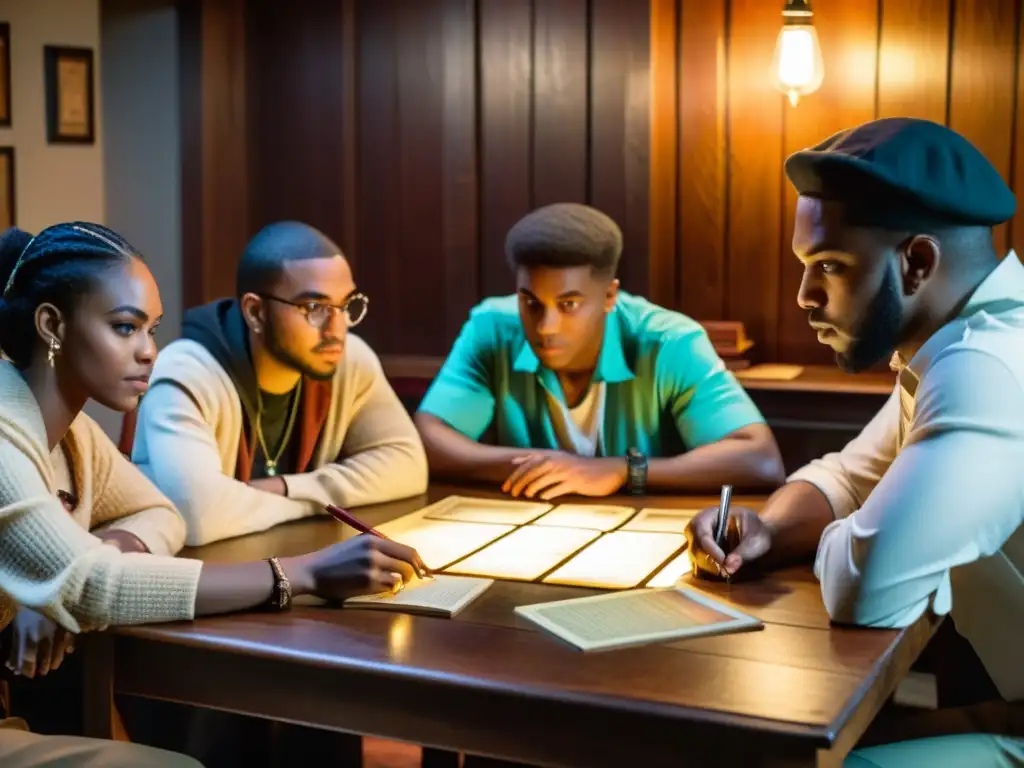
(797, 66)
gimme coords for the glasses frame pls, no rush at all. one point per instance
(332, 309)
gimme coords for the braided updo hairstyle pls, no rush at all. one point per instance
(58, 266)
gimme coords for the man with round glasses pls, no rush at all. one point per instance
(268, 408)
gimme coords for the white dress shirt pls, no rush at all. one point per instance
(929, 498)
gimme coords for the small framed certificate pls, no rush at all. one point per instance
(70, 106)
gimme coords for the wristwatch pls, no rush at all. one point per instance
(636, 472)
(281, 596)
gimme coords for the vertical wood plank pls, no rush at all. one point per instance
(1016, 234)
(559, 102)
(296, 107)
(755, 174)
(913, 59)
(214, 180)
(982, 82)
(848, 32)
(702, 159)
(664, 165)
(460, 246)
(419, 266)
(505, 149)
(349, 154)
(378, 238)
(620, 128)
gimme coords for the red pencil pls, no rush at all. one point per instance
(348, 518)
(345, 517)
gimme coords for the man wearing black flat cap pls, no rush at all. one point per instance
(923, 510)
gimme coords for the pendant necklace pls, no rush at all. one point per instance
(271, 461)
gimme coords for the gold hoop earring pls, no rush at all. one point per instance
(52, 353)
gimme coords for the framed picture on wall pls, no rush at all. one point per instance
(5, 75)
(7, 207)
(69, 95)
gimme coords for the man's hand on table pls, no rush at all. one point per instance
(549, 474)
(748, 538)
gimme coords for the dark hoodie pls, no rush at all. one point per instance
(220, 329)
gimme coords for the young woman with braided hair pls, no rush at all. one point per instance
(86, 541)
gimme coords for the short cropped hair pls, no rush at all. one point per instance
(565, 235)
(276, 245)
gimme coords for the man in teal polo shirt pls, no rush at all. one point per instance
(571, 376)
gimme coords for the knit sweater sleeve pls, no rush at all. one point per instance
(48, 563)
(382, 457)
(123, 499)
(176, 447)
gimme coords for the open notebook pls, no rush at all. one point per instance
(441, 595)
(636, 617)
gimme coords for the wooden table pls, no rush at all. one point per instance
(797, 693)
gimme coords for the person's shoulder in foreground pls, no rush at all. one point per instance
(923, 510)
(573, 373)
(277, 407)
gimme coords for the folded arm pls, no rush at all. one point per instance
(457, 410)
(382, 456)
(747, 458)
(951, 497)
(50, 564)
(831, 487)
(725, 435)
(453, 455)
(180, 456)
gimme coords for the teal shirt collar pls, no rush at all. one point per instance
(611, 365)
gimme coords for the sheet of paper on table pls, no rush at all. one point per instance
(670, 575)
(440, 542)
(636, 617)
(594, 516)
(771, 372)
(618, 560)
(469, 510)
(441, 595)
(661, 520)
(527, 553)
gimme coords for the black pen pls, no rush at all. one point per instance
(722, 524)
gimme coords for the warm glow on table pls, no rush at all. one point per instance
(593, 516)
(440, 542)
(673, 572)
(661, 520)
(618, 560)
(469, 510)
(528, 553)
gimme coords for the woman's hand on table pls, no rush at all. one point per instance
(366, 564)
(38, 644)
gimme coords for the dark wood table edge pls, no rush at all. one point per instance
(495, 722)
(851, 725)
(137, 661)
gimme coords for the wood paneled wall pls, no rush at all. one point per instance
(415, 132)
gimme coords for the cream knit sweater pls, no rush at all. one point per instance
(49, 562)
(190, 423)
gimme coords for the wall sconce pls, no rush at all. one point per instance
(797, 66)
